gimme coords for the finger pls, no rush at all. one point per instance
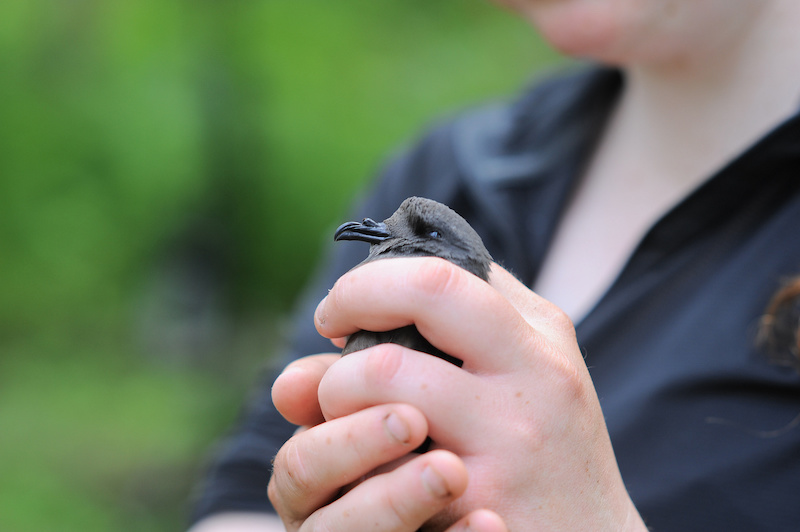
(541, 314)
(314, 464)
(339, 342)
(480, 521)
(389, 373)
(294, 392)
(401, 500)
(455, 310)
(537, 310)
(525, 300)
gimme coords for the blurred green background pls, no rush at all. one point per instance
(152, 156)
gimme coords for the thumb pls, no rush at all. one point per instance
(294, 392)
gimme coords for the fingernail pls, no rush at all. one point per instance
(319, 313)
(397, 428)
(435, 483)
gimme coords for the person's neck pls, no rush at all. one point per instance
(673, 127)
(688, 118)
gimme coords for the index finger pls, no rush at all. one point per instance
(453, 309)
(537, 311)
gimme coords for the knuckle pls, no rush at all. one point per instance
(282, 491)
(275, 497)
(272, 493)
(552, 321)
(559, 320)
(570, 380)
(562, 371)
(383, 364)
(338, 296)
(290, 473)
(319, 521)
(399, 510)
(436, 277)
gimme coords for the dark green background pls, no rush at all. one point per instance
(168, 173)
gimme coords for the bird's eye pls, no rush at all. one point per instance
(423, 229)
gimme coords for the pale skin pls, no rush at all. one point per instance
(698, 92)
(361, 389)
(522, 442)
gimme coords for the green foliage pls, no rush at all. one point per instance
(100, 438)
(133, 131)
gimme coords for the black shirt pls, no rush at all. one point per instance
(701, 421)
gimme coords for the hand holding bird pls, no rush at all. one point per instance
(517, 429)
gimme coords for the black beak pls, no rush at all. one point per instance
(366, 231)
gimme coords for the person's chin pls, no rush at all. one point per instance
(585, 33)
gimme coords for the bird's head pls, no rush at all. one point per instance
(422, 227)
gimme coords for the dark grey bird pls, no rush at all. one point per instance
(419, 227)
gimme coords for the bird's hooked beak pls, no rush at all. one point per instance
(368, 230)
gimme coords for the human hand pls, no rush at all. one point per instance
(521, 415)
(319, 478)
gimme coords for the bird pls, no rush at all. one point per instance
(420, 227)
